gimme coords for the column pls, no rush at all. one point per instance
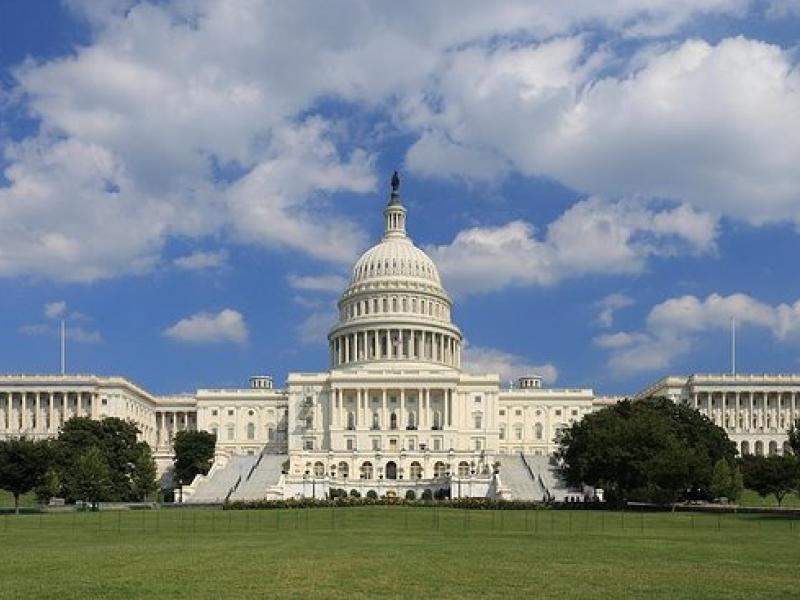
(51, 425)
(412, 344)
(384, 422)
(10, 411)
(347, 348)
(401, 416)
(446, 412)
(37, 421)
(737, 414)
(389, 349)
(23, 404)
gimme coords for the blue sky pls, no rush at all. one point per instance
(604, 185)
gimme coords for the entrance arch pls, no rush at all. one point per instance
(391, 470)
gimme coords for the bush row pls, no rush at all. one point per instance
(345, 501)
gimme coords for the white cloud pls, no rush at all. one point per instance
(609, 305)
(55, 310)
(77, 334)
(315, 327)
(480, 360)
(675, 325)
(317, 283)
(592, 237)
(35, 329)
(198, 261)
(714, 126)
(145, 134)
(228, 325)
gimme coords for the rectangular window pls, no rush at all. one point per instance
(411, 443)
(308, 444)
(437, 444)
(502, 413)
(558, 412)
(376, 443)
(478, 444)
(350, 444)
(518, 412)
(477, 399)
(393, 444)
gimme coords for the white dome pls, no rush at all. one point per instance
(395, 258)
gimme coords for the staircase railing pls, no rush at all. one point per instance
(233, 489)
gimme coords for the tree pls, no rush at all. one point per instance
(771, 475)
(144, 473)
(91, 479)
(651, 450)
(23, 463)
(129, 461)
(794, 437)
(49, 486)
(726, 480)
(194, 454)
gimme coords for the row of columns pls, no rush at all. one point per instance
(169, 422)
(391, 344)
(430, 409)
(44, 412)
(741, 411)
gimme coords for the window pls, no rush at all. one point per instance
(376, 443)
(319, 469)
(415, 470)
(251, 431)
(478, 444)
(230, 412)
(309, 422)
(502, 413)
(393, 444)
(412, 420)
(574, 413)
(351, 420)
(439, 469)
(393, 421)
(105, 401)
(344, 470)
(376, 422)
(214, 412)
(502, 432)
(437, 444)
(308, 444)
(463, 469)
(230, 432)
(477, 399)
(558, 412)
(366, 470)
(518, 412)
(478, 420)
(350, 444)
(537, 429)
(518, 432)
(412, 443)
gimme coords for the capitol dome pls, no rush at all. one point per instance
(395, 308)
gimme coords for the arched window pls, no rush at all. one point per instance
(385, 305)
(773, 448)
(271, 432)
(759, 448)
(251, 431)
(439, 469)
(537, 430)
(393, 420)
(319, 469)
(415, 470)
(344, 470)
(463, 469)
(745, 448)
(366, 470)
(351, 420)
(309, 422)
(394, 304)
(231, 432)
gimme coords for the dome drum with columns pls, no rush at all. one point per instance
(395, 308)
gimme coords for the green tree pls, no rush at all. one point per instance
(726, 480)
(49, 486)
(144, 473)
(91, 479)
(117, 442)
(771, 475)
(794, 437)
(194, 454)
(650, 450)
(23, 463)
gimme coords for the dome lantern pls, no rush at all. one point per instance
(395, 212)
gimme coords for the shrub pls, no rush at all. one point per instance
(372, 494)
(410, 495)
(355, 494)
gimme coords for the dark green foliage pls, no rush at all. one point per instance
(650, 450)
(372, 494)
(194, 454)
(354, 501)
(23, 463)
(794, 437)
(128, 463)
(771, 475)
(49, 486)
(410, 495)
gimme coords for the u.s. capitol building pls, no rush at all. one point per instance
(395, 413)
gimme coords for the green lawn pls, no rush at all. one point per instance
(397, 552)
(750, 498)
(7, 500)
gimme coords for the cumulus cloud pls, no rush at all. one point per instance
(315, 327)
(673, 326)
(145, 135)
(199, 261)
(228, 325)
(594, 236)
(714, 126)
(317, 283)
(609, 305)
(480, 360)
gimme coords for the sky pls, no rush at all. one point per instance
(604, 186)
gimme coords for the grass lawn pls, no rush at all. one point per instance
(750, 498)
(7, 499)
(395, 552)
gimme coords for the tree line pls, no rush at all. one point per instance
(658, 451)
